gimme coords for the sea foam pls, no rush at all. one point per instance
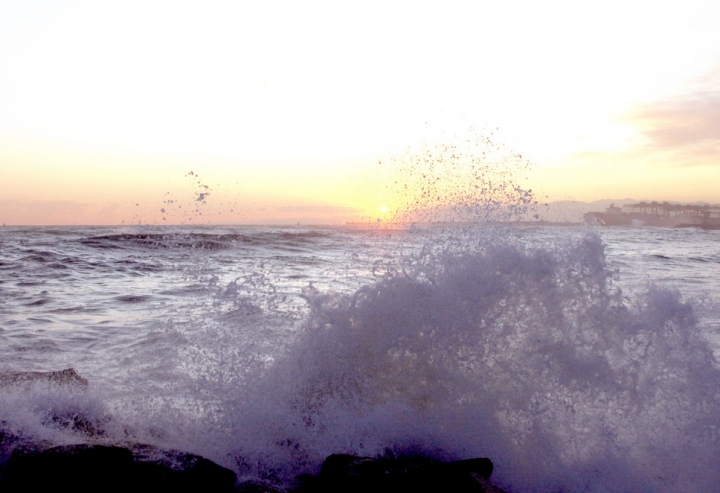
(476, 342)
(528, 355)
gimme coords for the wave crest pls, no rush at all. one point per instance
(528, 355)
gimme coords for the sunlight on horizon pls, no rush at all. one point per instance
(285, 107)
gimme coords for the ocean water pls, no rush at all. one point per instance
(576, 359)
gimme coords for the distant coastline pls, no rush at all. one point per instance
(624, 212)
(662, 214)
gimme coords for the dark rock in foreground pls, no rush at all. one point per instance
(86, 468)
(91, 468)
(352, 474)
(25, 466)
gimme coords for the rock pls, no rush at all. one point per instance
(78, 468)
(8, 441)
(78, 423)
(353, 474)
(68, 377)
(487, 487)
(254, 487)
(86, 468)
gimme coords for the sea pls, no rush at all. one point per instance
(576, 359)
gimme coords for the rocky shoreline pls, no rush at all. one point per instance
(132, 467)
(90, 468)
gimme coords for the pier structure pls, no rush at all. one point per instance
(694, 213)
(654, 213)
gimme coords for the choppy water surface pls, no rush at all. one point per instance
(576, 360)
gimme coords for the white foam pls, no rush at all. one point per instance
(478, 344)
(525, 355)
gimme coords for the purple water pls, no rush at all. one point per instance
(577, 360)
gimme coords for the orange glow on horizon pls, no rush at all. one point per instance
(286, 112)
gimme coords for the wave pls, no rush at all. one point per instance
(478, 346)
(159, 241)
(526, 355)
(202, 241)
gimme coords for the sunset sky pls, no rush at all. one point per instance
(282, 109)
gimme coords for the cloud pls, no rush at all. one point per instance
(688, 121)
(686, 127)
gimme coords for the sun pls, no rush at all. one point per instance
(383, 209)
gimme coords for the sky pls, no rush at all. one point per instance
(157, 112)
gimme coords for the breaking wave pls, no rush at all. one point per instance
(479, 344)
(527, 355)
